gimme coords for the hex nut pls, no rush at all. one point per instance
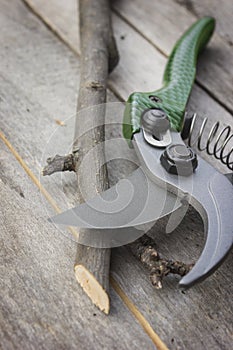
(179, 159)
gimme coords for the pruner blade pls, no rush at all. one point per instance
(121, 214)
(215, 204)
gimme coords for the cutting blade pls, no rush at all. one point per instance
(121, 214)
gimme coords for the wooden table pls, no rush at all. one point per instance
(42, 306)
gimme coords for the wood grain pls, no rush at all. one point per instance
(33, 95)
(42, 306)
(222, 11)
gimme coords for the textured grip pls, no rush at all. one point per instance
(178, 80)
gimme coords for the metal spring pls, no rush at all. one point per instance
(217, 142)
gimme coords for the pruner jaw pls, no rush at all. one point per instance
(210, 192)
(215, 205)
(156, 193)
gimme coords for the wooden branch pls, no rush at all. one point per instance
(92, 264)
(145, 250)
(99, 56)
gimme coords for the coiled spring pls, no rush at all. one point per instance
(218, 142)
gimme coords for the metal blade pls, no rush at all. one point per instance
(216, 207)
(121, 214)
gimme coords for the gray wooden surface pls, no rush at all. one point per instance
(42, 306)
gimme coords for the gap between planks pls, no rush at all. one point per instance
(62, 38)
(123, 296)
(137, 314)
(50, 26)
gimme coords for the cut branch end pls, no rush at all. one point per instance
(92, 288)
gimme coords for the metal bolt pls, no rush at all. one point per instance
(179, 159)
(180, 152)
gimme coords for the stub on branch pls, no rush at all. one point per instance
(59, 163)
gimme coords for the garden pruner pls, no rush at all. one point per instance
(171, 174)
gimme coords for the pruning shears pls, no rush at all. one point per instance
(170, 176)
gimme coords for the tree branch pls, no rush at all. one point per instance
(99, 56)
(92, 264)
(144, 249)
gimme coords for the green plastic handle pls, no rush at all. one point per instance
(178, 80)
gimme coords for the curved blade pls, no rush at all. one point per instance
(131, 202)
(215, 205)
(121, 214)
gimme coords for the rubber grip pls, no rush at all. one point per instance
(178, 80)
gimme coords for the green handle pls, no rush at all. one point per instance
(178, 80)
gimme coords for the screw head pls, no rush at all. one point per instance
(179, 159)
(154, 98)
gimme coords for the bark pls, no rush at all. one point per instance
(92, 264)
(145, 250)
(99, 56)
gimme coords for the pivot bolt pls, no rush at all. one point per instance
(179, 159)
(155, 121)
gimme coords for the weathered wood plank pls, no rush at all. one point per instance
(221, 10)
(61, 14)
(42, 306)
(160, 308)
(196, 319)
